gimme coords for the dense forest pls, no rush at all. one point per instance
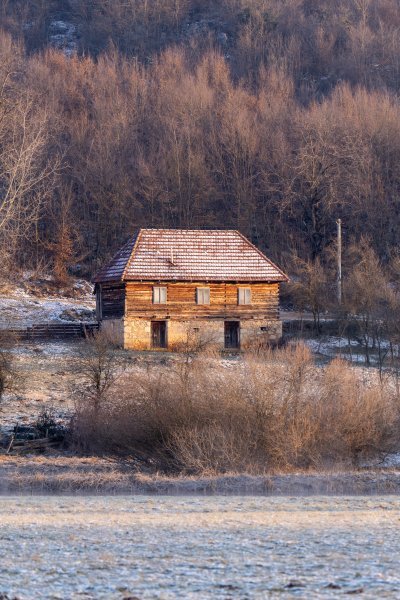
(275, 117)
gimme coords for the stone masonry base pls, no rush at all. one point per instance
(135, 334)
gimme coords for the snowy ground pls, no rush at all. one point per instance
(36, 302)
(328, 347)
(64, 36)
(44, 382)
(331, 347)
(44, 377)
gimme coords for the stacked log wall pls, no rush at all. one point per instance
(181, 301)
(112, 301)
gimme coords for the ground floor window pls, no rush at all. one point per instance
(159, 334)
(232, 334)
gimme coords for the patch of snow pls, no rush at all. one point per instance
(328, 346)
(340, 347)
(356, 358)
(31, 275)
(46, 350)
(63, 36)
(20, 309)
(392, 460)
(25, 312)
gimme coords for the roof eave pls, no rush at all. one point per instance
(285, 278)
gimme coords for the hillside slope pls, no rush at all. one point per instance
(268, 116)
(41, 301)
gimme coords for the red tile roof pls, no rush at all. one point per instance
(194, 255)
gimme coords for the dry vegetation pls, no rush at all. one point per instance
(69, 474)
(274, 117)
(272, 412)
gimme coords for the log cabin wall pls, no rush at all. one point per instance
(114, 329)
(181, 301)
(110, 301)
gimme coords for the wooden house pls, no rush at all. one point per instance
(167, 286)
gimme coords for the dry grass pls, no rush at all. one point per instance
(62, 474)
(73, 475)
(274, 411)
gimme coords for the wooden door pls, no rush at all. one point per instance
(159, 334)
(232, 334)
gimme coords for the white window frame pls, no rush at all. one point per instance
(203, 296)
(159, 294)
(244, 296)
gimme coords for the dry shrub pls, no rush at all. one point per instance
(10, 379)
(270, 411)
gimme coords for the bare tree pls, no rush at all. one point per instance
(366, 296)
(310, 288)
(97, 367)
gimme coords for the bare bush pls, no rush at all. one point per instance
(275, 411)
(97, 368)
(368, 298)
(9, 378)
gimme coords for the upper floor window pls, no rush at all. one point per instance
(203, 295)
(244, 295)
(159, 295)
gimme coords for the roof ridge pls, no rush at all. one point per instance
(188, 230)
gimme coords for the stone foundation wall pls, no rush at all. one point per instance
(195, 334)
(114, 329)
(137, 334)
(199, 333)
(255, 332)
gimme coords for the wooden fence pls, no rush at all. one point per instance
(54, 331)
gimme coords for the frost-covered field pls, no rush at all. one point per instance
(197, 547)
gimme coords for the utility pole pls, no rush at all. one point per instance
(339, 260)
